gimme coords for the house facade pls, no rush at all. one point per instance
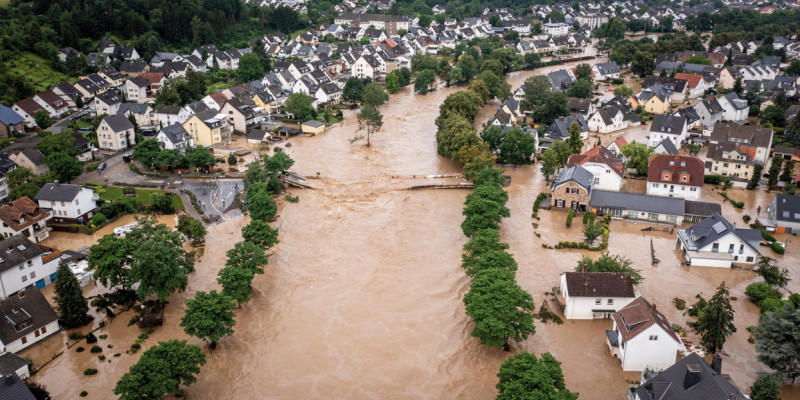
(573, 188)
(638, 206)
(116, 132)
(784, 214)
(24, 217)
(27, 318)
(594, 295)
(68, 204)
(22, 266)
(208, 128)
(715, 242)
(670, 127)
(675, 176)
(607, 169)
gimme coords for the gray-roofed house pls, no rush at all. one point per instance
(784, 214)
(666, 126)
(27, 317)
(733, 107)
(106, 103)
(68, 204)
(561, 80)
(696, 211)
(116, 132)
(594, 295)
(11, 363)
(641, 337)
(638, 206)
(573, 188)
(13, 388)
(175, 137)
(666, 147)
(605, 71)
(715, 242)
(559, 129)
(691, 378)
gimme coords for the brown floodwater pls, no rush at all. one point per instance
(362, 299)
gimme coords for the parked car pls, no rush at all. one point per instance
(85, 130)
(101, 167)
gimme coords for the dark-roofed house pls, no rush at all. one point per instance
(116, 132)
(13, 388)
(22, 266)
(641, 337)
(27, 318)
(583, 107)
(29, 157)
(24, 217)
(784, 214)
(675, 176)
(691, 378)
(666, 147)
(608, 170)
(68, 204)
(106, 103)
(561, 80)
(676, 86)
(605, 71)
(696, 211)
(11, 363)
(594, 295)
(715, 242)
(666, 126)
(638, 206)
(27, 109)
(572, 188)
(10, 121)
(175, 137)
(559, 129)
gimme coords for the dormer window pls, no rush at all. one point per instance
(665, 176)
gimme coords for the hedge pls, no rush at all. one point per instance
(712, 179)
(777, 248)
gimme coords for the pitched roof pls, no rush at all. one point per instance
(600, 155)
(692, 79)
(29, 303)
(15, 250)
(702, 208)
(9, 364)
(787, 208)
(637, 202)
(118, 122)
(21, 213)
(110, 97)
(666, 123)
(9, 116)
(29, 105)
(639, 315)
(13, 388)
(689, 379)
(668, 146)
(577, 174)
(713, 227)
(676, 165)
(673, 84)
(599, 284)
(175, 133)
(758, 136)
(58, 192)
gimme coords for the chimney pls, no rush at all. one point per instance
(716, 364)
(15, 309)
(22, 294)
(692, 376)
(655, 308)
(585, 267)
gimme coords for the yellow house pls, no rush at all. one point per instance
(208, 128)
(653, 100)
(264, 101)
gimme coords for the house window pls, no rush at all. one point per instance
(44, 329)
(653, 337)
(730, 248)
(715, 247)
(574, 191)
(597, 302)
(33, 274)
(749, 259)
(611, 302)
(36, 333)
(567, 190)
(24, 278)
(24, 339)
(21, 267)
(30, 263)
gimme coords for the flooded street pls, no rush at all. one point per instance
(362, 299)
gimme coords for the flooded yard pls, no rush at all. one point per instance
(362, 299)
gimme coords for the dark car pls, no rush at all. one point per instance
(84, 130)
(101, 167)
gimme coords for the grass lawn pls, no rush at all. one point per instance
(217, 86)
(35, 70)
(142, 196)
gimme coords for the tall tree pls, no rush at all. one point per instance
(63, 166)
(758, 169)
(209, 316)
(778, 341)
(236, 282)
(772, 273)
(582, 89)
(157, 260)
(261, 52)
(574, 141)
(259, 232)
(774, 171)
(300, 104)
(717, 322)
(608, 263)
(766, 387)
(738, 87)
(247, 255)
(525, 377)
(788, 171)
(638, 155)
(583, 70)
(373, 95)
(161, 370)
(370, 120)
(69, 297)
(250, 68)
(792, 133)
(517, 147)
(260, 203)
(425, 81)
(500, 308)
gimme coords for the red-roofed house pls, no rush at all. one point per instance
(616, 146)
(696, 83)
(675, 176)
(607, 169)
(27, 108)
(157, 80)
(52, 103)
(642, 336)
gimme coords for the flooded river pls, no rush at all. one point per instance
(362, 298)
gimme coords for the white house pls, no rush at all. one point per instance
(138, 89)
(607, 169)
(607, 120)
(715, 242)
(68, 204)
(605, 71)
(106, 103)
(22, 266)
(116, 132)
(641, 336)
(27, 318)
(709, 110)
(174, 137)
(555, 28)
(594, 295)
(671, 127)
(366, 67)
(24, 217)
(733, 108)
(675, 176)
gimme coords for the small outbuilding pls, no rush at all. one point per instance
(313, 127)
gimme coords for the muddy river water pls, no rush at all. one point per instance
(362, 298)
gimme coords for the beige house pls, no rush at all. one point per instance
(115, 133)
(30, 158)
(573, 188)
(208, 128)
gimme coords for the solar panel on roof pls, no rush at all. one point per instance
(719, 227)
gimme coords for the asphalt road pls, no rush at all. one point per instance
(214, 195)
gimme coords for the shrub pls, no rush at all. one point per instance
(91, 338)
(133, 167)
(764, 234)
(101, 358)
(570, 216)
(79, 349)
(712, 179)
(771, 304)
(89, 371)
(746, 218)
(292, 199)
(75, 336)
(99, 219)
(103, 336)
(737, 204)
(777, 248)
(92, 166)
(757, 292)
(83, 393)
(680, 304)
(585, 218)
(96, 349)
(617, 81)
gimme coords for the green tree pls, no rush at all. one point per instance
(774, 171)
(157, 260)
(582, 89)
(638, 155)
(493, 136)
(493, 66)
(771, 272)
(480, 88)
(190, 227)
(738, 87)
(236, 283)
(250, 68)
(261, 52)
(425, 81)
(110, 257)
(482, 242)
(716, 324)
(42, 119)
(300, 104)
(758, 169)
(497, 85)
(643, 64)
(766, 387)
(792, 133)
(788, 171)
(455, 76)
(404, 75)
(574, 141)
(524, 377)
(492, 259)
(615, 28)
(464, 103)
(260, 203)
(370, 120)
(495, 20)
(549, 164)
(455, 133)
(247, 255)
(161, 370)
(392, 82)
(778, 341)
(500, 308)
(373, 95)
(583, 71)
(63, 166)
(517, 147)
(69, 297)
(61, 143)
(608, 263)
(200, 157)
(209, 316)
(592, 231)
(278, 163)
(481, 213)
(259, 232)
(232, 159)
(698, 59)
(623, 91)
(773, 115)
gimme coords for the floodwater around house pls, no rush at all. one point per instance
(362, 299)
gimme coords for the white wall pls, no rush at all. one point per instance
(605, 178)
(731, 239)
(11, 279)
(82, 203)
(31, 337)
(663, 189)
(640, 351)
(581, 307)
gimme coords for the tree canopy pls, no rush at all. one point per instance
(161, 370)
(716, 324)
(608, 263)
(525, 377)
(209, 316)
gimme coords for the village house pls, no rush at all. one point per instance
(608, 119)
(691, 377)
(27, 316)
(559, 129)
(783, 214)
(27, 109)
(696, 83)
(240, 114)
(208, 128)
(174, 137)
(167, 115)
(755, 141)
(68, 93)
(733, 108)
(573, 188)
(138, 89)
(313, 127)
(607, 169)
(29, 157)
(106, 103)
(605, 71)
(670, 127)
(676, 86)
(10, 122)
(715, 242)
(52, 103)
(14, 367)
(24, 217)
(584, 107)
(638, 206)
(641, 336)
(675, 176)
(142, 113)
(616, 146)
(22, 266)
(594, 295)
(67, 204)
(116, 132)
(709, 110)
(666, 146)
(655, 100)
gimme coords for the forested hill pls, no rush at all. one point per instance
(31, 33)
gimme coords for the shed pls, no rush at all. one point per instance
(313, 127)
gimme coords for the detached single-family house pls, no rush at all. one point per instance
(709, 110)
(697, 84)
(559, 129)
(367, 66)
(594, 295)
(106, 103)
(24, 217)
(756, 141)
(27, 109)
(573, 188)
(174, 137)
(655, 100)
(52, 103)
(676, 86)
(583, 107)
(27, 317)
(784, 214)
(641, 336)
(671, 127)
(116, 132)
(733, 108)
(690, 378)
(607, 169)
(715, 242)
(68, 204)
(605, 71)
(209, 128)
(10, 122)
(608, 119)
(138, 89)
(675, 176)
(666, 146)
(22, 266)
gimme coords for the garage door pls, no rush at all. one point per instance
(40, 283)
